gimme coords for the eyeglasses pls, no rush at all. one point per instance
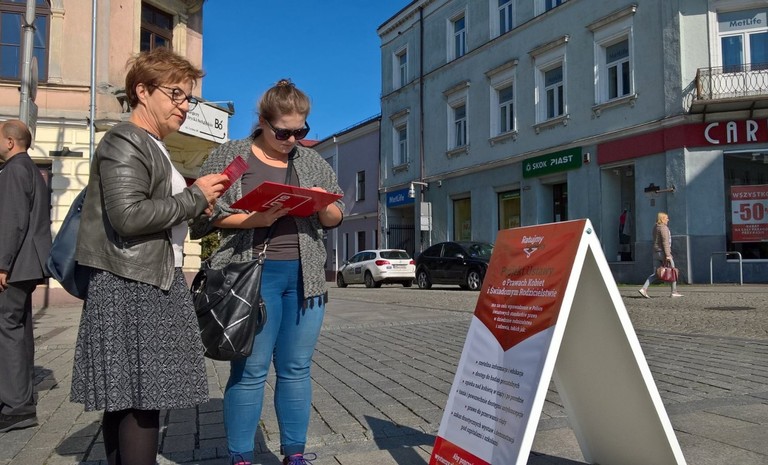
(178, 96)
(285, 134)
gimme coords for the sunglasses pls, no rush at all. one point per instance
(285, 134)
(178, 96)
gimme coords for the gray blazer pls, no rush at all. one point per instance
(25, 229)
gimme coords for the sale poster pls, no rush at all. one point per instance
(749, 213)
(492, 396)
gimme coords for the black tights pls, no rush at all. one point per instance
(130, 436)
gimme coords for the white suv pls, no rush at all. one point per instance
(376, 267)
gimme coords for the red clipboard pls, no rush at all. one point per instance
(301, 201)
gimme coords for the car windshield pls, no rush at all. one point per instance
(480, 250)
(395, 254)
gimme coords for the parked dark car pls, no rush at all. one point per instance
(462, 263)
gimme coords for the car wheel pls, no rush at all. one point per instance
(474, 280)
(407, 283)
(422, 279)
(369, 281)
(340, 280)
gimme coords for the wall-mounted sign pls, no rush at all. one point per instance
(554, 162)
(207, 122)
(749, 213)
(398, 198)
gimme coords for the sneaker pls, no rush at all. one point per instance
(675, 294)
(9, 422)
(299, 459)
(644, 293)
(240, 460)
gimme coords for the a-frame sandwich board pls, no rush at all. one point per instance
(549, 308)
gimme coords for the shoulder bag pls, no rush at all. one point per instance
(228, 303)
(61, 261)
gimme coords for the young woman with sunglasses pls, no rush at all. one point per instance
(293, 280)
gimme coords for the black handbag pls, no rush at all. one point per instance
(228, 303)
(61, 262)
(229, 307)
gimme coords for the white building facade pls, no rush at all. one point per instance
(506, 113)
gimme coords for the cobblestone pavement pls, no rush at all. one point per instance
(385, 362)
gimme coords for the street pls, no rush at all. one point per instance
(385, 363)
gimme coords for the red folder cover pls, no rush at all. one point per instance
(302, 201)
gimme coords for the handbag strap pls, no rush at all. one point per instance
(288, 172)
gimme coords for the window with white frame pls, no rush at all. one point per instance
(360, 185)
(614, 62)
(550, 77)
(743, 40)
(554, 92)
(401, 143)
(401, 68)
(506, 108)
(459, 125)
(505, 15)
(458, 37)
(549, 4)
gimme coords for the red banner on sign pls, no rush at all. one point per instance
(749, 213)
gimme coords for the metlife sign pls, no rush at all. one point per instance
(554, 162)
(398, 198)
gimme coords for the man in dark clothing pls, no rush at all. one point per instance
(25, 240)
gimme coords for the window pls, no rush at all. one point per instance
(401, 68)
(361, 246)
(509, 209)
(554, 92)
(617, 63)
(550, 91)
(614, 68)
(549, 4)
(462, 219)
(743, 40)
(505, 16)
(458, 45)
(156, 28)
(506, 96)
(459, 125)
(746, 191)
(360, 194)
(401, 144)
(12, 14)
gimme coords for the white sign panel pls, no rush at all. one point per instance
(207, 122)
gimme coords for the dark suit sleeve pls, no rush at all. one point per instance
(15, 207)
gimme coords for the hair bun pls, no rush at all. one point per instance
(284, 83)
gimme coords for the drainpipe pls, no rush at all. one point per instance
(417, 221)
(92, 109)
(336, 230)
(27, 80)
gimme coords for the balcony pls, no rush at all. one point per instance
(731, 88)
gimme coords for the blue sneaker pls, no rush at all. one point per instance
(299, 459)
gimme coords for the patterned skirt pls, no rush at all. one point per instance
(138, 347)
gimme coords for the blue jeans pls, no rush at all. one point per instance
(288, 338)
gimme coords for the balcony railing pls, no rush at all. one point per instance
(732, 82)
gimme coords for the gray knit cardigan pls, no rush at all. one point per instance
(236, 245)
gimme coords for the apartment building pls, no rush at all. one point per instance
(505, 113)
(66, 125)
(354, 155)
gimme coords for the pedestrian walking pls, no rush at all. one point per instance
(138, 349)
(662, 245)
(293, 281)
(25, 240)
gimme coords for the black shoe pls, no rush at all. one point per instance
(9, 422)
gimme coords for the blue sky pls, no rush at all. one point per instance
(328, 48)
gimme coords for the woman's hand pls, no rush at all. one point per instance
(330, 216)
(212, 185)
(266, 218)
